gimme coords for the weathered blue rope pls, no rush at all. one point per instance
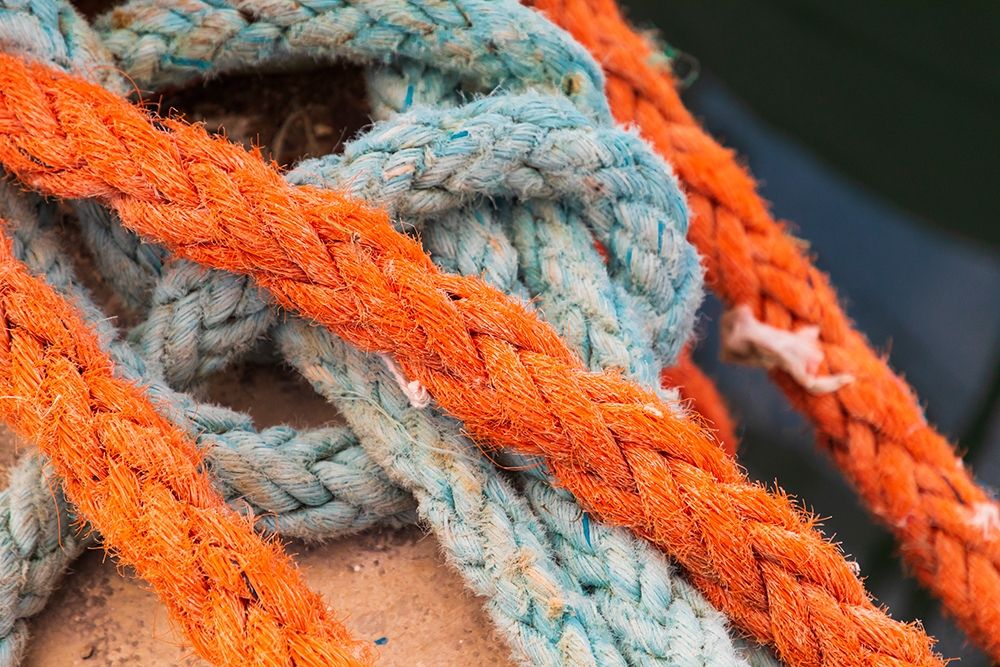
(196, 323)
(483, 45)
(521, 147)
(486, 45)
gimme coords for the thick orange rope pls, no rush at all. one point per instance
(483, 356)
(948, 528)
(704, 397)
(136, 478)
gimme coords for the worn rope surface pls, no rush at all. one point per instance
(650, 609)
(460, 47)
(306, 484)
(907, 474)
(615, 446)
(525, 568)
(416, 468)
(233, 595)
(161, 43)
(654, 616)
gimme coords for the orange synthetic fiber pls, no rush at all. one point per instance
(482, 355)
(698, 390)
(704, 397)
(136, 479)
(948, 528)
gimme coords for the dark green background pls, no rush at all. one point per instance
(902, 96)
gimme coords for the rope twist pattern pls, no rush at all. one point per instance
(616, 446)
(232, 594)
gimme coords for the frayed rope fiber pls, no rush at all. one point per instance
(137, 480)
(307, 484)
(906, 473)
(481, 356)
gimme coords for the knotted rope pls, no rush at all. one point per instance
(616, 446)
(907, 474)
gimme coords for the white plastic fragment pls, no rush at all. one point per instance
(747, 340)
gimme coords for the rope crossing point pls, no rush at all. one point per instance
(231, 593)
(907, 474)
(623, 454)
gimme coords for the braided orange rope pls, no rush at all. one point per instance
(136, 478)
(483, 357)
(948, 528)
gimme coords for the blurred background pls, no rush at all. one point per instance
(871, 127)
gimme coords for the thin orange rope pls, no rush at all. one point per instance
(908, 475)
(483, 356)
(136, 478)
(704, 397)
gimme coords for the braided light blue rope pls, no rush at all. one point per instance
(54, 32)
(381, 369)
(486, 44)
(525, 147)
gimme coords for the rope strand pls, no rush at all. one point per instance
(313, 485)
(232, 594)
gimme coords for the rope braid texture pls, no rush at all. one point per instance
(614, 445)
(644, 609)
(907, 474)
(305, 484)
(231, 593)
(160, 44)
(643, 615)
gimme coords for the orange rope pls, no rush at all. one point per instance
(483, 356)
(948, 528)
(704, 397)
(136, 478)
